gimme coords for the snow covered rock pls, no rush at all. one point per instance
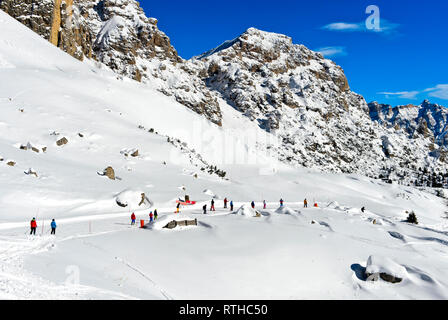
(109, 172)
(384, 268)
(165, 222)
(247, 211)
(285, 210)
(30, 146)
(132, 198)
(133, 152)
(31, 171)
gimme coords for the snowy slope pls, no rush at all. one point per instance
(46, 95)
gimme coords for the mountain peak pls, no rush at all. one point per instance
(254, 37)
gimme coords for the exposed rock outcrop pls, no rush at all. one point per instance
(62, 141)
(110, 173)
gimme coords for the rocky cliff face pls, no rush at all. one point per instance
(305, 100)
(261, 73)
(118, 34)
(427, 121)
(288, 90)
(54, 20)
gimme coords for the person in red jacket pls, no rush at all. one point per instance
(133, 218)
(33, 226)
(225, 203)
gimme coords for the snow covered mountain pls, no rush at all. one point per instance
(301, 99)
(427, 120)
(305, 100)
(77, 144)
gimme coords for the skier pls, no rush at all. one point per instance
(281, 202)
(225, 203)
(305, 203)
(204, 208)
(315, 205)
(264, 204)
(178, 207)
(53, 227)
(231, 205)
(253, 205)
(33, 226)
(155, 214)
(212, 207)
(132, 218)
(151, 217)
(363, 209)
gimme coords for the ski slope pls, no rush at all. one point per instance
(298, 253)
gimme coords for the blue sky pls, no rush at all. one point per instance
(405, 61)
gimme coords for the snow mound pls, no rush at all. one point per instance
(132, 199)
(379, 264)
(161, 222)
(211, 193)
(5, 64)
(285, 210)
(377, 221)
(334, 205)
(246, 211)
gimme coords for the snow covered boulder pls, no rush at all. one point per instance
(31, 171)
(210, 193)
(334, 205)
(133, 199)
(285, 210)
(247, 211)
(173, 221)
(30, 146)
(130, 152)
(384, 268)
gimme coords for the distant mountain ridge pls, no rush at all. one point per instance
(429, 119)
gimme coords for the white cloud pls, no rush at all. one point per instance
(402, 94)
(328, 52)
(386, 27)
(344, 26)
(440, 91)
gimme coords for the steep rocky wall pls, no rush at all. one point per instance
(55, 22)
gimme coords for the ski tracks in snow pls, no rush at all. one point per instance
(144, 275)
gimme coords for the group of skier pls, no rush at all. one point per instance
(212, 205)
(152, 217)
(33, 226)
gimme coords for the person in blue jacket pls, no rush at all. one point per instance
(53, 227)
